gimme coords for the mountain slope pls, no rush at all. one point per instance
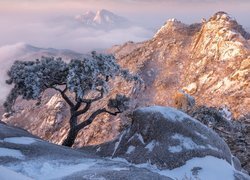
(210, 61)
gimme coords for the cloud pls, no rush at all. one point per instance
(7, 56)
(60, 35)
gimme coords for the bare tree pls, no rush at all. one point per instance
(75, 81)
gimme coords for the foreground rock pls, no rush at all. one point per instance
(168, 139)
(23, 157)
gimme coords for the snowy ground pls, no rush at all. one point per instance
(206, 168)
(23, 158)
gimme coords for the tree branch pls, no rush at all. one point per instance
(64, 96)
(93, 116)
(84, 110)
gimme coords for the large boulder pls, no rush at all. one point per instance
(165, 137)
(25, 157)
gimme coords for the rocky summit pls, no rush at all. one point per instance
(209, 61)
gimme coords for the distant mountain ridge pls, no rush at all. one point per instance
(102, 19)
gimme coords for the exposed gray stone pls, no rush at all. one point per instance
(166, 138)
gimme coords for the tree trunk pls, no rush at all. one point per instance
(69, 141)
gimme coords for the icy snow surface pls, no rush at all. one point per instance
(20, 140)
(11, 153)
(51, 169)
(185, 142)
(130, 149)
(205, 168)
(150, 146)
(168, 113)
(7, 174)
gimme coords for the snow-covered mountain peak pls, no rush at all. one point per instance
(103, 19)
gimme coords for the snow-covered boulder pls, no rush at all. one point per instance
(25, 157)
(165, 137)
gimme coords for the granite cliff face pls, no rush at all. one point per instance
(208, 60)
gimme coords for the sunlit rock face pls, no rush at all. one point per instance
(208, 60)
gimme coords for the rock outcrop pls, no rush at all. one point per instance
(166, 138)
(208, 60)
(24, 156)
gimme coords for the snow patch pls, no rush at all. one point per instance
(201, 135)
(175, 149)
(6, 152)
(120, 169)
(45, 169)
(7, 174)
(185, 143)
(205, 168)
(20, 140)
(118, 143)
(213, 148)
(130, 149)
(139, 136)
(150, 146)
(169, 113)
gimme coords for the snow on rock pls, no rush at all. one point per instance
(171, 24)
(205, 168)
(102, 19)
(150, 146)
(49, 169)
(184, 143)
(169, 113)
(7, 174)
(44, 160)
(130, 149)
(20, 140)
(221, 37)
(168, 133)
(6, 152)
